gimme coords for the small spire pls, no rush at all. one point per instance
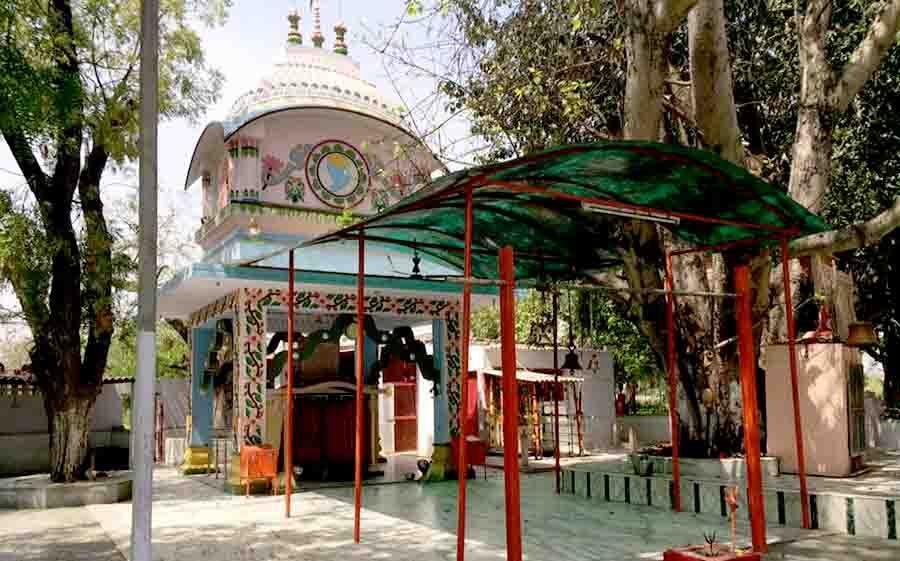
(317, 38)
(294, 35)
(340, 45)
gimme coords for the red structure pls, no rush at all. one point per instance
(544, 205)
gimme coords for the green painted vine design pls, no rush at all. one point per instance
(253, 365)
(253, 362)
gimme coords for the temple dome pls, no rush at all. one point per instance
(311, 77)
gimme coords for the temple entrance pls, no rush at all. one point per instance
(406, 433)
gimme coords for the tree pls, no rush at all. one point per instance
(726, 81)
(68, 112)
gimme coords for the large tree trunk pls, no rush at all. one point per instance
(644, 81)
(891, 364)
(69, 422)
(811, 157)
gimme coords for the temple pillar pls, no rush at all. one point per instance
(250, 366)
(370, 357)
(250, 379)
(440, 457)
(196, 455)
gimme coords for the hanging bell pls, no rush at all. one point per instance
(571, 361)
(861, 334)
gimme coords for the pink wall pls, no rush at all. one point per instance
(823, 373)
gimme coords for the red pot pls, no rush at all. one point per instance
(701, 553)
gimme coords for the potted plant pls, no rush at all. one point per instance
(714, 551)
(710, 551)
(642, 464)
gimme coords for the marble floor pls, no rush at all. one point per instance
(402, 522)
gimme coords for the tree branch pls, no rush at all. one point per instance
(868, 55)
(24, 155)
(669, 14)
(98, 269)
(850, 237)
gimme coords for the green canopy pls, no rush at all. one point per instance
(563, 209)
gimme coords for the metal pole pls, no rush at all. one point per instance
(289, 395)
(747, 365)
(556, 468)
(360, 343)
(510, 407)
(461, 467)
(142, 400)
(795, 380)
(671, 366)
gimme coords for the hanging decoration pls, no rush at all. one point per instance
(571, 362)
(399, 343)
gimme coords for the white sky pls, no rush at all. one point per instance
(244, 49)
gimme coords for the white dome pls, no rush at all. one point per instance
(310, 76)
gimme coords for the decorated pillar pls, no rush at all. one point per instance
(445, 339)
(250, 364)
(246, 175)
(196, 455)
(370, 357)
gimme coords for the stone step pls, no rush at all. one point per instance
(846, 514)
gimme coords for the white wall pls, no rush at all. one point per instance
(598, 388)
(647, 428)
(425, 416)
(24, 442)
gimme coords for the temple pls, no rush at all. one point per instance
(311, 148)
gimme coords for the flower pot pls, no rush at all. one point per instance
(642, 464)
(701, 553)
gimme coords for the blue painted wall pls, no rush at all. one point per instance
(441, 404)
(201, 399)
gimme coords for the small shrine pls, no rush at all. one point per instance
(313, 147)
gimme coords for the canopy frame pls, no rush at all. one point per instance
(481, 181)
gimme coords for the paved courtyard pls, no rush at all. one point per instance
(402, 522)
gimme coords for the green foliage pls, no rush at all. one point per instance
(595, 321)
(866, 181)
(542, 73)
(172, 352)
(24, 255)
(38, 97)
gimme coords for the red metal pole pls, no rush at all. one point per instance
(461, 467)
(556, 468)
(747, 364)
(289, 394)
(510, 406)
(671, 366)
(360, 342)
(795, 380)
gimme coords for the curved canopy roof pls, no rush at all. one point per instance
(562, 209)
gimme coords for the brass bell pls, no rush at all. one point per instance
(571, 361)
(861, 334)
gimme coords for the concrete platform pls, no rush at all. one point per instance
(399, 522)
(37, 491)
(865, 505)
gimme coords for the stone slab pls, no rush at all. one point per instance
(37, 491)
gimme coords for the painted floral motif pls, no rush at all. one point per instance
(271, 166)
(252, 362)
(252, 317)
(294, 190)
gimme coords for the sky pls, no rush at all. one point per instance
(244, 49)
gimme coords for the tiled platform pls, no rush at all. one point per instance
(865, 505)
(403, 522)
